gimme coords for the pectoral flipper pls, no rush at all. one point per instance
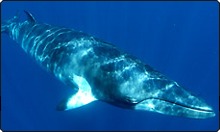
(82, 97)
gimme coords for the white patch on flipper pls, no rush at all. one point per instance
(83, 96)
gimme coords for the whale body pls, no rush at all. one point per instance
(97, 70)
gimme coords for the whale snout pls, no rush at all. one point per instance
(172, 108)
(177, 101)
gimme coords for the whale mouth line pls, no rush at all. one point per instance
(205, 109)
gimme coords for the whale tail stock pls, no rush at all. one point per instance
(7, 24)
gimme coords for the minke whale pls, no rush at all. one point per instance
(97, 70)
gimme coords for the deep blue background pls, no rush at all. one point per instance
(180, 39)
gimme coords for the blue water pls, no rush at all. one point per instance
(180, 39)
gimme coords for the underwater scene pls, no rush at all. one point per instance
(110, 65)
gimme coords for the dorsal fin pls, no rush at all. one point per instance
(30, 17)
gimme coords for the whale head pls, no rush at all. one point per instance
(175, 100)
